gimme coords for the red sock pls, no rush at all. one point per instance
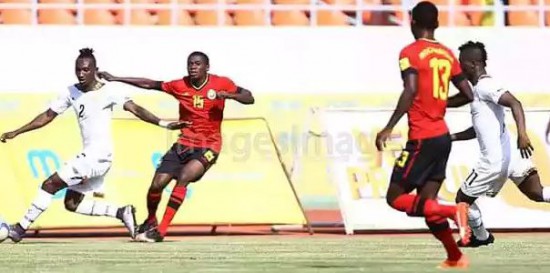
(153, 200)
(404, 203)
(410, 203)
(446, 237)
(177, 197)
(432, 207)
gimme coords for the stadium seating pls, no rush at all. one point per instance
(253, 12)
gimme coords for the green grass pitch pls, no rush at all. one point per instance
(287, 254)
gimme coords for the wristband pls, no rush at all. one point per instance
(163, 123)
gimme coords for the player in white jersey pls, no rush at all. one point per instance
(93, 103)
(500, 160)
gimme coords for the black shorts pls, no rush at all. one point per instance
(421, 161)
(174, 160)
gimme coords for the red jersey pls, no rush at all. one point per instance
(435, 65)
(200, 106)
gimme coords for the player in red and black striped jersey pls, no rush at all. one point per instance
(201, 97)
(427, 67)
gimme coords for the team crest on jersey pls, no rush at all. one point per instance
(211, 94)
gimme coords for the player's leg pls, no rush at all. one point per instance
(439, 225)
(41, 202)
(411, 170)
(154, 195)
(167, 170)
(480, 235)
(526, 177)
(75, 201)
(200, 160)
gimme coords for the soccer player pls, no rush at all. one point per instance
(201, 99)
(427, 67)
(92, 102)
(499, 160)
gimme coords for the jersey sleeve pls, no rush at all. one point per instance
(61, 103)
(119, 99)
(407, 62)
(489, 90)
(229, 86)
(169, 87)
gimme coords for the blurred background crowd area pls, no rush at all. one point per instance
(509, 13)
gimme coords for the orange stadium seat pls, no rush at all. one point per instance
(476, 17)
(391, 18)
(183, 18)
(250, 2)
(460, 18)
(289, 18)
(292, 2)
(331, 18)
(210, 18)
(523, 18)
(547, 15)
(204, 2)
(16, 17)
(16, 1)
(99, 17)
(57, 1)
(56, 17)
(250, 18)
(137, 17)
(179, 1)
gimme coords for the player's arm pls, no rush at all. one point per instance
(524, 144)
(137, 82)
(38, 122)
(467, 134)
(241, 95)
(458, 79)
(149, 117)
(409, 74)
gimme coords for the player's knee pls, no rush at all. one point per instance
(70, 205)
(52, 185)
(535, 196)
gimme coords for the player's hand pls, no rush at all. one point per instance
(382, 137)
(176, 125)
(224, 95)
(8, 135)
(524, 146)
(105, 76)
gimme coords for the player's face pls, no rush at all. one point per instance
(467, 63)
(196, 67)
(85, 71)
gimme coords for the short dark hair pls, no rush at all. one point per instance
(87, 53)
(200, 54)
(475, 45)
(425, 15)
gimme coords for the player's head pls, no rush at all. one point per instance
(198, 64)
(86, 67)
(473, 57)
(424, 18)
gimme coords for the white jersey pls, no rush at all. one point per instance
(94, 112)
(488, 120)
(499, 160)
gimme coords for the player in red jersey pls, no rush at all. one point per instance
(201, 99)
(427, 67)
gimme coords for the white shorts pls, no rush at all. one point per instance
(482, 182)
(85, 173)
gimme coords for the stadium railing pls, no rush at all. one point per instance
(534, 13)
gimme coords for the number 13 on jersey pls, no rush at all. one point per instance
(441, 72)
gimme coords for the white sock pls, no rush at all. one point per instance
(97, 208)
(475, 222)
(546, 194)
(39, 205)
